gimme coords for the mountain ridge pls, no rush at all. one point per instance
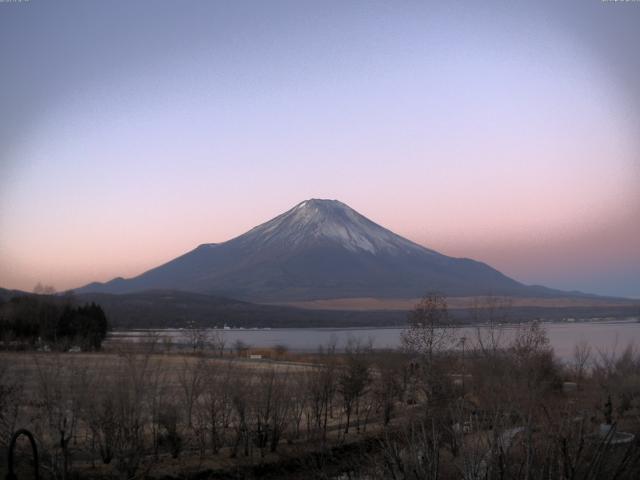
(320, 249)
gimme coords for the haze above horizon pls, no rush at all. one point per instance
(134, 131)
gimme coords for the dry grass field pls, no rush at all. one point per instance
(137, 412)
(407, 304)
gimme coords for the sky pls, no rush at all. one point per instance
(507, 132)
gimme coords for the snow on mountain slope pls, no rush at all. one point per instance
(315, 221)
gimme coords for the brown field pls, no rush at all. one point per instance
(39, 374)
(25, 366)
(361, 413)
(368, 303)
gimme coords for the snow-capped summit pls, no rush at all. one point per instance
(319, 249)
(314, 221)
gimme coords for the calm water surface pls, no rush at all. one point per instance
(606, 336)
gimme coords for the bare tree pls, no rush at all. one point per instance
(299, 403)
(387, 388)
(353, 380)
(41, 289)
(269, 409)
(100, 416)
(581, 359)
(11, 396)
(169, 419)
(241, 392)
(321, 382)
(218, 341)
(60, 392)
(217, 405)
(490, 313)
(167, 343)
(412, 453)
(429, 331)
(240, 347)
(190, 379)
(151, 339)
(195, 337)
(131, 396)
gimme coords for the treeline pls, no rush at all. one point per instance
(51, 322)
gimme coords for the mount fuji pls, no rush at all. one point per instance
(320, 249)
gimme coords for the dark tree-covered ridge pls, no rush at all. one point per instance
(53, 321)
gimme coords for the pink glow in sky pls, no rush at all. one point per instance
(132, 132)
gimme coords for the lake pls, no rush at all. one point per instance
(605, 336)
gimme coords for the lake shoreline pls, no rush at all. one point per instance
(602, 335)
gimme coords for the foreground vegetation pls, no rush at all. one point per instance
(493, 406)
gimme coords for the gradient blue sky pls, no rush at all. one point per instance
(509, 132)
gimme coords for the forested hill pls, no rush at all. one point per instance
(164, 309)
